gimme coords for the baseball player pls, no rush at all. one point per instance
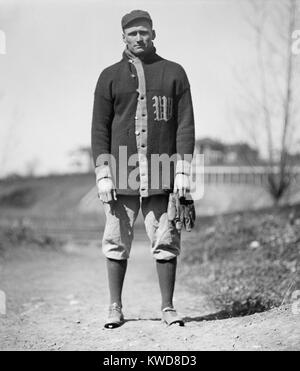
(142, 107)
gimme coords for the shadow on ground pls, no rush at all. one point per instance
(238, 310)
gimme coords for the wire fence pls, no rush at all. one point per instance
(256, 175)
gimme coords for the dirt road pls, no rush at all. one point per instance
(58, 300)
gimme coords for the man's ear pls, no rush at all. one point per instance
(124, 38)
(153, 34)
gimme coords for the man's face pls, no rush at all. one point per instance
(138, 36)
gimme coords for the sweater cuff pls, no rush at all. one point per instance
(183, 166)
(102, 171)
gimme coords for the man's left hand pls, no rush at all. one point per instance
(181, 212)
(181, 185)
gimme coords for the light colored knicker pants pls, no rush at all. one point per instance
(119, 227)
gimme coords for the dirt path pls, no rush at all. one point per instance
(58, 300)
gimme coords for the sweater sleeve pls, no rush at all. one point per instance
(185, 139)
(102, 119)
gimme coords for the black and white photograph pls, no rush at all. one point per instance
(149, 178)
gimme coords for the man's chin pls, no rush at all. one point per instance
(138, 51)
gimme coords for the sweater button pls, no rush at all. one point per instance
(137, 133)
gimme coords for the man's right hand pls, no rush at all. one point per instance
(106, 190)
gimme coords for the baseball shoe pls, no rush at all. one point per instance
(115, 317)
(170, 317)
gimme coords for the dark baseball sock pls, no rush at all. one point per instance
(166, 270)
(116, 270)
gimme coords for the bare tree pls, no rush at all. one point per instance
(271, 104)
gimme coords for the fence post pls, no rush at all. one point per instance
(2, 303)
(2, 42)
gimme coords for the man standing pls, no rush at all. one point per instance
(142, 107)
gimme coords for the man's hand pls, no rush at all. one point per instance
(106, 190)
(181, 185)
(187, 213)
(181, 212)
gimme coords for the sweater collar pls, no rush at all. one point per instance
(146, 57)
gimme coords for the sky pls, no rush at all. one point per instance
(55, 51)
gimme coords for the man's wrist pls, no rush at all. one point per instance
(103, 177)
(102, 171)
(182, 173)
(183, 167)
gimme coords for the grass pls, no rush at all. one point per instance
(245, 262)
(47, 196)
(20, 235)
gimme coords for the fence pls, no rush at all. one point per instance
(256, 175)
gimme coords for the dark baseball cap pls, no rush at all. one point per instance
(135, 14)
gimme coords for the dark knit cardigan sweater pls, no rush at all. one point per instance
(170, 127)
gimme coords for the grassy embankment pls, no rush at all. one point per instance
(245, 262)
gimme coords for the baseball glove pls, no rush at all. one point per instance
(181, 212)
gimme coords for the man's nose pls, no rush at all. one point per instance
(138, 37)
